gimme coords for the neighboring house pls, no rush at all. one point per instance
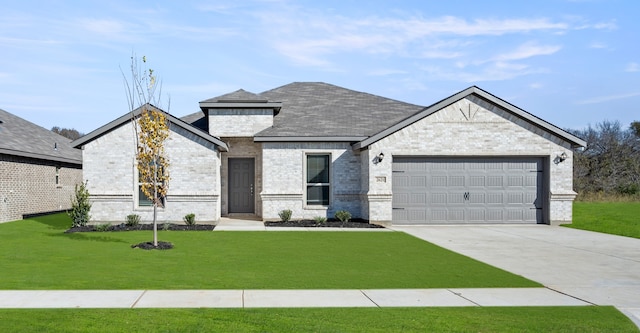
(316, 148)
(38, 169)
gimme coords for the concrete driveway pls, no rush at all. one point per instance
(598, 268)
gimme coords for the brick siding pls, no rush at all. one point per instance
(28, 186)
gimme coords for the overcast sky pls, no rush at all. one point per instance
(569, 62)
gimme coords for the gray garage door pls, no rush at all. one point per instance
(467, 190)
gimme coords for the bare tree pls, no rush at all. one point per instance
(151, 129)
(611, 161)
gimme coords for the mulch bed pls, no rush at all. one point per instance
(149, 246)
(327, 224)
(124, 227)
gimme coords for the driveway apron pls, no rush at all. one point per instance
(598, 268)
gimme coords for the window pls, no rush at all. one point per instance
(57, 175)
(143, 201)
(318, 183)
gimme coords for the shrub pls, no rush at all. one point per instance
(285, 215)
(166, 226)
(190, 219)
(103, 227)
(343, 216)
(320, 219)
(80, 206)
(132, 220)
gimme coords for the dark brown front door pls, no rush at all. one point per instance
(241, 185)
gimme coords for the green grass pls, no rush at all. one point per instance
(617, 218)
(474, 319)
(37, 254)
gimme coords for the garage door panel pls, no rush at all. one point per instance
(418, 181)
(456, 181)
(419, 198)
(477, 181)
(438, 215)
(455, 215)
(515, 181)
(496, 181)
(477, 215)
(417, 215)
(456, 198)
(438, 198)
(439, 181)
(467, 190)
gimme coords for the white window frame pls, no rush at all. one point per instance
(306, 184)
(136, 191)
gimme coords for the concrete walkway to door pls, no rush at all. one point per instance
(598, 268)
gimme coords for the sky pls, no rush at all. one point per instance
(573, 63)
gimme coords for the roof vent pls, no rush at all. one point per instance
(55, 146)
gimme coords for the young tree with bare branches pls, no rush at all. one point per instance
(151, 129)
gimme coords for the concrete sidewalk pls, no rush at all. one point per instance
(29, 299)
(599, 268)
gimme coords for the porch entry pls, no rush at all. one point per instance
(241, 185)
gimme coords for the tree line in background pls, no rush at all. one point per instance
(69, 133)
(610, 164)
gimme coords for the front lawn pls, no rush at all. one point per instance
(469, 319)
(617, 218)
(37, 254)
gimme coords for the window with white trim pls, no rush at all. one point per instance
(318, 180)
(57, 175)
(143, 201)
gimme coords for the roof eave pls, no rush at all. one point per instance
(242, 105)
(135, 113)
(308, 138)
(40, 156)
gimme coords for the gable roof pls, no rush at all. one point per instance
(317, 111)
(575, 141)
(127, 117)
(19, 137)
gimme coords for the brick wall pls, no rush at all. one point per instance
(284, 182)
(490, 131)
(239, 122)
(109, 164)
(28, 186)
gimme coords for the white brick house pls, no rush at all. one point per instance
(316, 148)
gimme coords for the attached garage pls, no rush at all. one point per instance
(462, 190)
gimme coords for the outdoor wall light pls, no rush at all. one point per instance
(563, 157)
(378, 158)
(560, 158)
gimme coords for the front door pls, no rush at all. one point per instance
(241, 185)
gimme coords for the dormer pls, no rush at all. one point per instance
(239, 114)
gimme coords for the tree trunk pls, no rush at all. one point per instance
(155, 204)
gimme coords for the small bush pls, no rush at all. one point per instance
(132, 220)
(320, 219)
(166, 226)
(285, 215)
(190, 219)
(343, 216)
(80, 206)
(103, 227)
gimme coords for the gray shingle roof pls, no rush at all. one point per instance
(236, 96)
(316, 109)
(20, 137)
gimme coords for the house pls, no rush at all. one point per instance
(316, 148)
(38, 169)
